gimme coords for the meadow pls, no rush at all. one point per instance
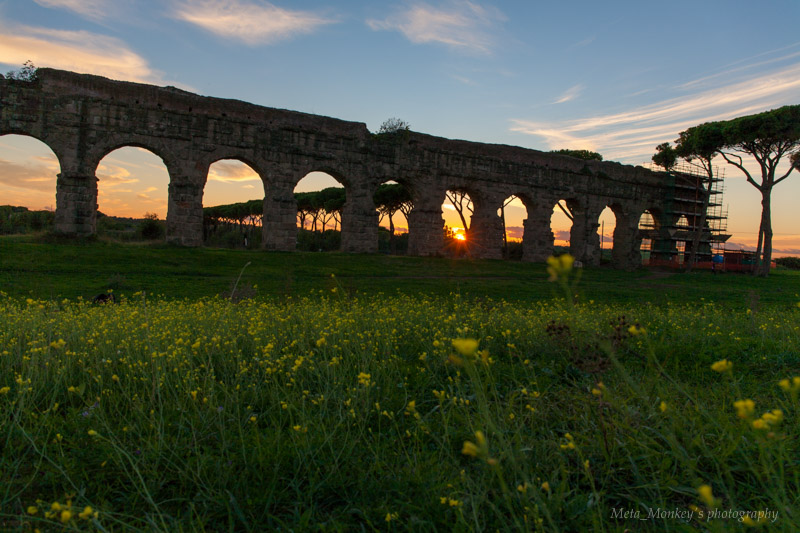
(378, 393)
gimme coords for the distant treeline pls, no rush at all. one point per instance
(315, 210)
(319, 214)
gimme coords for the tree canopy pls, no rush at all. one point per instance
(26, 73)
(394, 125)
(587, 155)
(767, 137)
(665, 156)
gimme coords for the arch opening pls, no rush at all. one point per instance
(28, 173)
(320, 200)
(394, 204)
(649, 227)
(681, 237)
(457, 211)
(132, 194)
(233, 205)
(513, 212)
(561, 222)
(607, 225)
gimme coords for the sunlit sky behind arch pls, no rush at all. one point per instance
(616, 78)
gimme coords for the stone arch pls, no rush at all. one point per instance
(102, 148)
(513, 225)
(321, 214)
(563, 212)
(394, 206)
(461, 200)
(129, 184)
(608, 221)
(54, 146)
(303, 171)
(222, 226)
(37, 167)
(479, 204)
(204, 164)
(649, 227)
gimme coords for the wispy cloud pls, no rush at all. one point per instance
(232, 172)
(464, 80)
(251, 23)
(80, 51)
(461, 25)
(112, 175)
(570, 94)
(584, 42)
(632, 135)
(40, 176)
(93, 9)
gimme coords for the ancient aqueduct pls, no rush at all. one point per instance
(82, 118)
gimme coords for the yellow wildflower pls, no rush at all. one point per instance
(791, 386)
(470, 449)
(706, 495)
(636, 330)
(559, 266)
(744, 408)
(546, 486)
(32, 509)
(773, 418)
(663, 407)
(92, 433)
(466, 347)
(66, 516)
(476, 449)
(722, 366)
(5, 390)
(86, 513)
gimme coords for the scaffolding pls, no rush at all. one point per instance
(668, 231)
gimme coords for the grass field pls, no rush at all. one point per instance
(31, 267)
(383, 393)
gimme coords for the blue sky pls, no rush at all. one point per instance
(615, 77)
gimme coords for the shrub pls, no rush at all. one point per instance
(151, 228)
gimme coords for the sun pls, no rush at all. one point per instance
(460, 237)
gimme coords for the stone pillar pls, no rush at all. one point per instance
(485, 236)
(626, 254)
(664, 247)
(359, 222)
(425, 231)
(425, 222)
(537, 237)
(185, 211)
(76, 204)
(584, 240)
(279, 222)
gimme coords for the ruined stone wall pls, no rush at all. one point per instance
(83, 118)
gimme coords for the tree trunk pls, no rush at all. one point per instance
(392, 245)
(766, 229)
